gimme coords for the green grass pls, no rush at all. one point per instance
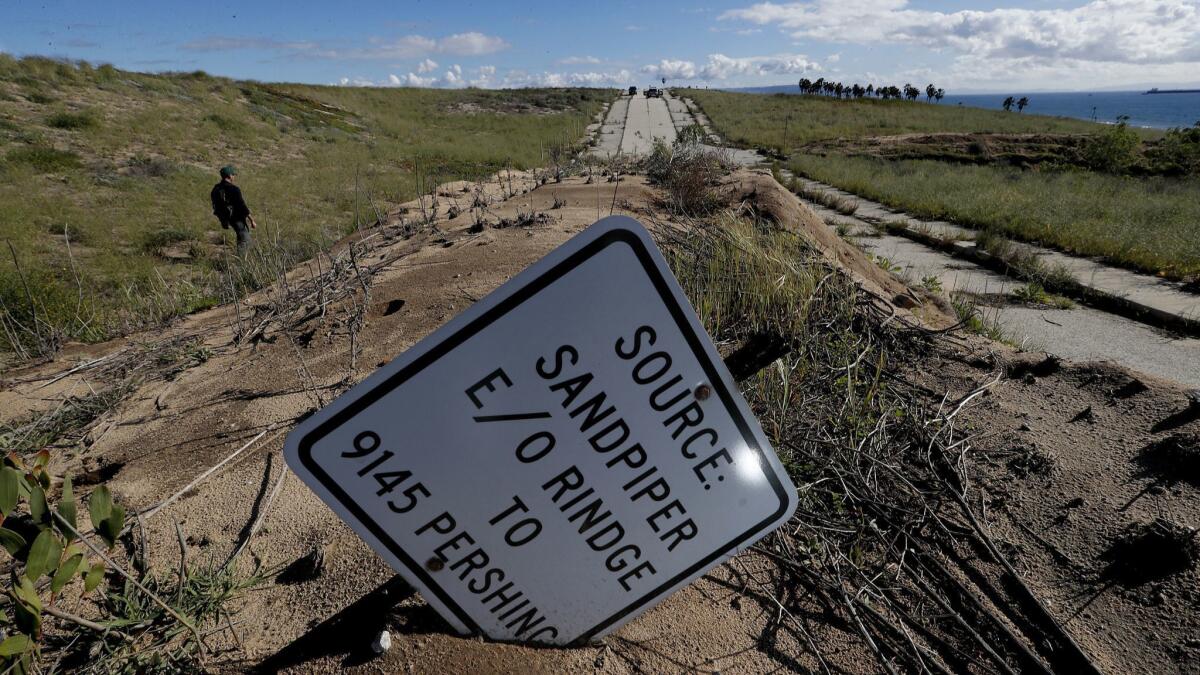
(39, 158)
(784, 121)
(1152, 224)
(86, 119)
(122, 162)
(979, 320)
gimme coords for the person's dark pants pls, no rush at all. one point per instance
(243, 236)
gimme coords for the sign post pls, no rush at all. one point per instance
(556, 459)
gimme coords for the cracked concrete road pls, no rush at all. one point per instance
(632, 125)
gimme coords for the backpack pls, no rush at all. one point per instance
(222, 207)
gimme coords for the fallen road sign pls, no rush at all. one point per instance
(559, 457)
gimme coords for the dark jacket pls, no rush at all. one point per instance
(228, 205)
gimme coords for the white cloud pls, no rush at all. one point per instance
(634, 28)
(579, 60)
(427, 66)
(454, 77)
(414, 80)
(672, 70)
(518, 78)
(470, 44)
(357, 82)
(1117, 31)
(721, 67)
(485, 77)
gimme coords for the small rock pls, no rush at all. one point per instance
(1025, 427)
(382, 643)
(1076, 503)
(307, 567)
(1085, 415)
(1029, 378)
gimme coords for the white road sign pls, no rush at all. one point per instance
(559, 457)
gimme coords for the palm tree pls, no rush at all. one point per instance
(930, 92)
(805, 84)
(939, 94)
(1024, 101)
(870, 91)
(1008, 104)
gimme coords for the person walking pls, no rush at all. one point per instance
(230, 208)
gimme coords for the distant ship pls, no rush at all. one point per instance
(1156, 90)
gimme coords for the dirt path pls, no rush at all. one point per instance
(171, 431)
(168, 433)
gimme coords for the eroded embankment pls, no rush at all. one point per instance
(784, 607)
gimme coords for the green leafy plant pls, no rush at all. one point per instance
(1034, 293)
(886, 264)
(43, 539)
(1113, 150)
(1179, 151)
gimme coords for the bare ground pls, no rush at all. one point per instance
(1060, 487)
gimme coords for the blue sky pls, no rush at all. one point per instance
(974, 46)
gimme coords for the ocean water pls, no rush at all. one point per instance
(1159, 111)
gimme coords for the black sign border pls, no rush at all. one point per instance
(615, 236)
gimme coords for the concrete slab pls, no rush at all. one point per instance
(1080, 334)
(609, 142)
(1145, 290)
(647, 119)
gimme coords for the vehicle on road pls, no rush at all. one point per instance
(653, 93)
(633, 91)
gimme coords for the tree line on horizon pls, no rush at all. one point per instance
(839, 90)
(908, 92)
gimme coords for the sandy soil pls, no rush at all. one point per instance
(169, 432)
(1067, 453)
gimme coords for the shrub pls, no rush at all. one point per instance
(689, 172)
(1178, 151)
(1113, 150)
(692, 134)
(40, 98)
(150, 167)
(106, 72)
(85, 119)
(44, 159)
(225, 123)
(154, 240)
